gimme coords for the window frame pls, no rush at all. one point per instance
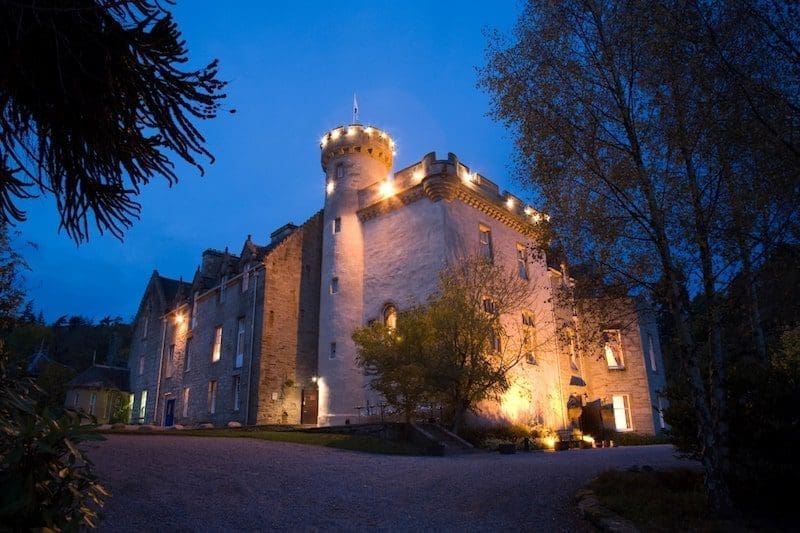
(608, 350)
(216, 347)
(212, 396)
(240, 341)
(485, 245)
(334, 286)
(625, 409)
(185, 402)
(337, 225)
(522, 262)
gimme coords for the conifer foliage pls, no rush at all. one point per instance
(94, 97)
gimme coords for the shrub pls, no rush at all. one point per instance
(634, 439)
(46, 482)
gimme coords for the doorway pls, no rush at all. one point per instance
(169, 412)
(308, 414)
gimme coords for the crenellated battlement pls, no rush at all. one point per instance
(355, 139)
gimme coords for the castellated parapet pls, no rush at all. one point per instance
(357, 139)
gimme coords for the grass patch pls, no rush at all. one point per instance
(358, 443)
(659, 501)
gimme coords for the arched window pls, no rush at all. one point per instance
(390, 316)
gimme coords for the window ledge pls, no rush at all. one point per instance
(616, 368)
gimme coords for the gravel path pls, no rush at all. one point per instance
(166, 483)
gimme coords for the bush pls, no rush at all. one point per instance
(488, 437)
(634, 439)
(46, 482)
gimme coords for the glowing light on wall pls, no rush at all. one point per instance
(179, 318)
(322, 406)
(324, 140)
(510, 203)
(368, 130)
(528, 210)
(329, 187)
(536, 217)
(515, 402)
(351, 131)
(418, 175)
(335, 134)
(387, 188)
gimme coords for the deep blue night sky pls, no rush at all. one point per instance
(293, 68)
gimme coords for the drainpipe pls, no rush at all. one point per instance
(160, 366)
(252, 349)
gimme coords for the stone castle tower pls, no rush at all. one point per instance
(353, 157)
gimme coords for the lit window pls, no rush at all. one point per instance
(239, 345)
(92, 403)
(212, 396)
(337, 224)
(485, 236)
(142, 404)
(622, 412)
(170, 360)
(141, 364)
(237, 398)
(185, 402)
(334, 285)
(522, 261)
(390, 316)
(187, 358)
(612, 348)
(652, 351)
(217, 350)
(333, 351)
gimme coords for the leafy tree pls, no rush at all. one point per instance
(663, 138)
(396, 359)
(11, 295)
(455, 349)
(93, 99)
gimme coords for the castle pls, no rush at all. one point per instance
(264, 337)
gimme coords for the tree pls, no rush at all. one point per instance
(11, 294)
(396, 360)
(455, 349)
(661, 138)
(93, 99)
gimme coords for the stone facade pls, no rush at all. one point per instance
(286, 311)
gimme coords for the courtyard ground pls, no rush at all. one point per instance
(168, 483)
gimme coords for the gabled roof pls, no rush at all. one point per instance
(102, 377)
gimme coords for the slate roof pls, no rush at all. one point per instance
(102, 377)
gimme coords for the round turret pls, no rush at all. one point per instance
(357, 139)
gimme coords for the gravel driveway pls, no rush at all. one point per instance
(167, 483)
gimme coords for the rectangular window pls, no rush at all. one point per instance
(496, 347)
(522, 261)
(573, 351)
(141, 364)
(661, 422)
(216, 351)
(528, 337)
(337, 225)
(489, 306)
(76, 400)
(652, 351)
(142, 405)
(622, 412)
(212, 396)
(333, 351)
(334, 285)
(239, 345)
(237, 389)
(245, 279)
(170, 361)
(612, 349)
(339, 171)
(185, 402)
(187, 357)
(485, 236)
(222, 285)
(193, 321)
(92, 403)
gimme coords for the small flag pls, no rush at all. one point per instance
(355, 108)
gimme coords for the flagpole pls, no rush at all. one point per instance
(355, 109)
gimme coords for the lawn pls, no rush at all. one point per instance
(359, 443)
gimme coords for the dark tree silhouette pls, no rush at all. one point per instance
(94, 97)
